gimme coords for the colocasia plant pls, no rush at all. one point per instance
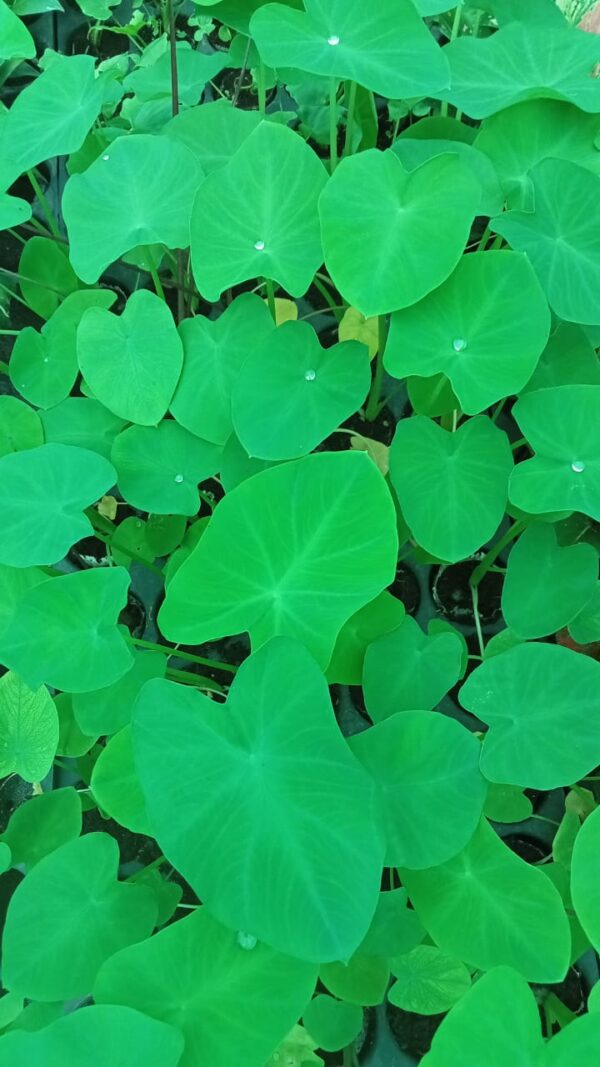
(300, 505)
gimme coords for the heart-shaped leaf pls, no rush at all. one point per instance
(106, 710)
(388, 251)
(428, 981)
(384, 47)
(383, 614)
(132, 362)
(585, 871)
(414, 151)
(257, 216)
(213, 132)
(159, 467)
(279, 551)
(152, 81)
(333, 1024)
(395, 927)
(47, 277)
(252, 759)
(542, 704)
(306, 390)
(43, 492)
(585, 627)
(20, 426)
(28, 729)
(115, 784)
(233, 1001)
(466, 473)
(484, 328)
(42, 824)
(81, 421)
(16, 41)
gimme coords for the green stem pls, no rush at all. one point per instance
(492, 555)
(262, 88)
(475, 599)
(517, 444)
(333, 117)
(14, 296)
(487, 233)
(150, 867)
(179, 654)
(110, 542)
(327, 297)
(453, 36)
(350, 118)
(197, 680)
(45, 206)
(152, 271)
(4, 368)
(499, 409)
(372, 408)
(271, 298)
(9, 333)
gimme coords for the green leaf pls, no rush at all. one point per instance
(574, 1045)
(257, 216)
(194, 70)
(394, 929)
(107, 710)
(68, 916)
(28, 729)
(139, 192)
(585, 868)
(384, 47)
(497, 1022)
(466, 473)
(506, 804)
(428, 981)
(485, 329)
(82, 421)
(42, 497)
(331, 1023)
(253, 762)
(71, 740)
(414, 151)
(164, 533)
(562, 425)
(42, 824)
(94, 1037)
(20, 426)
(11, 1006)
(233, 1003)
(546, 585)
(514, 64)
(213, 132)
(14, 584)
(16, 41)
(5, 864)
(13, 211)
(64, 631)
(213, 353)
(568, 359)
(407, 669)
(388, 251)
(556, 234)
(426, 767)
(45, 275)
(378, 617)
(51, 116)
(363, 980)
(542, 704)
(307, 391)
(132, 361)
(43, 366)
(279, 553)
(116, 787)
(585, 627)
(237, 465)
(515, 915)
(159, 467)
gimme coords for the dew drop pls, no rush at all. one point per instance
(247, 941)
(106, 158)
(310, 375)
(333, 40)
(259, 246)
(45, 359)
(459, 344)
(179, 478)
(577, 466)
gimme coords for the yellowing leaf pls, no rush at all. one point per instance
(355, 327)
(108, 507)
(379, 453)
(285, 310)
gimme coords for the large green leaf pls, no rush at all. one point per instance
(43, 492)
(41, 824)
(28, 729)
(139, 192)
(488, 907)
(466, 473)
(384, 47)
(68, 916)
(290, 393)
(428, 981)
(51, 116)
(233, 1001)
(276, 866)
(288, 552)
(159, 467)
(257, 216)
(432, 792)
(64, 631)
(416, 150)
(387, 250)
(381, 615)
(585, 876)
(546, 585)
(94, 1037)
(82, 421)
(562, 425)
(557, 236)
(213, 132)
(407, 669)
(491, 73)
(484, 328)
(213, 353)
(542, 704)
(16, 41)
(20, 426)
(132, 361)
(115, 784)
(104, 711)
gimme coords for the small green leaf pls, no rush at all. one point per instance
(82, 421)
(585, 627)
(363, 980)
(194, 70)
(381, 615)
(72, 741)
(107, 710)
(116, 787)
(213, 132)
(159, 467)
(45, 275)
(395, 928)
(506, 804)
(568, 359)
(28, 729)
(42, 824)
(585, 869)
(20, 426)
(331, 1023)
(428, 981)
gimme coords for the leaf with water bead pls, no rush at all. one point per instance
(159, 467)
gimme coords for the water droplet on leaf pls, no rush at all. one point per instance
(106, 158)
(577, 466)
(259, 246)
(246, 941)
(459, 344)
(179, 478)
(333, 40)
(310, 375)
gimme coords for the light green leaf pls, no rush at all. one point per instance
(426, 767)
(484, 328)
(331, 1023)
(378, 617)
(14, 584)
(466, 473)
(279, 552)
(362, 980)
(585, 627)
(194, 70)
(506, 804)
(585, 868)
(384, 47)
(45, 275)
(139, 192)
(428, 981)
(42, 824)
(542, 704)
(414, 151)
(13, 211)
(16, 41)
(64, 631)
(515, 915)
(213, 132)
(82, 421)
(546, 585)
(104, 711)
(306, 391)
(237, 465)
(159, 467)
(388, 251)
(234, 1004)
(395, 928)
(276, 867)
(71, 740)
(20, 426)
(116, 787)
(68, 916)
(568, 359)
(257, 216)
(43, 492)
(28, 729)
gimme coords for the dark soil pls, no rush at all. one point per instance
(132, 847)
(452, 596)
(528, 848)
(365, 1041)
(405, 587)
(413, 1033)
